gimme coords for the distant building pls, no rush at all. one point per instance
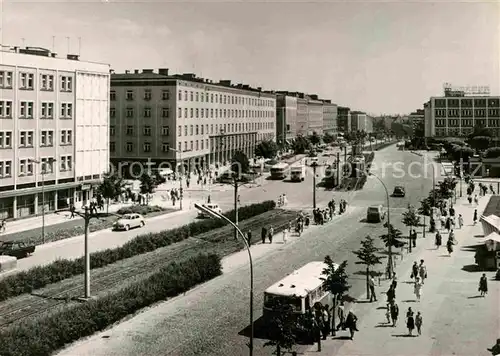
(330, 118)
(361, 121)
(314, 115)
(286, 118)
(54, 115)
(416, 119)
(343, 119)
(170, 120)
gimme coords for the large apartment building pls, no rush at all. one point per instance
(458, 115)
(330, 118)
(168, 119)
(361, 121)
(53, 130)
(344, 119)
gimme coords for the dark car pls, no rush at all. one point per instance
(16, 249)
(398, 192)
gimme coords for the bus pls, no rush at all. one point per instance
(279, 171)
(301, 289)
(298, 172)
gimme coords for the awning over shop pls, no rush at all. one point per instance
(490, 223)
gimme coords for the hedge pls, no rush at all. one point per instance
(40, 276)
(45, 335)
(140, 209)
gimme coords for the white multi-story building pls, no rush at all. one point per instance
(163, 120)
(53, 130)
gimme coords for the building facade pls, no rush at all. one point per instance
(168, 120)
(53, 130)
(330, 118)
(286, 118)
(314, 115)
(457, 116)
(344, 119)
(361, 121)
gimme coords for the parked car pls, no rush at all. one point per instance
(375, 214)
(399, 192)
(129, 221)
(211, 206)
(16, 249)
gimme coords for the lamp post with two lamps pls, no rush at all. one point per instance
(180, 152)
(216, 215)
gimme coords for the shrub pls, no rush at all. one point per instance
(140, 209)
(50, 333)
(39, 277)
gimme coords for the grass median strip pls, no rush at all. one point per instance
(39, 277)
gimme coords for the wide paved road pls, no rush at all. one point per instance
(208, 320)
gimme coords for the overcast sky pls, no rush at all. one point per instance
(379, 57)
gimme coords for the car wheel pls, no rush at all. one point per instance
(127, 227)
(143, 223)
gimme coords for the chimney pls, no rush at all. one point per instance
(53, 55)
(259, 88)
(127, 71)
(111, 71)
(147, 71)
(225, 82)
(163, 71)
(73, 57)
(136, 71)
(314, 96)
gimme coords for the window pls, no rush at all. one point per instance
(26, 139)
(191, 95)
(211, 113)
(147, 112)
(130, 130)
(197, 147)
(165, 112)
(211, 129)
(66, 163)
(130, 112)
(146, 130)
(5, 139)
(206, 97)
(66, 110)
(190, 130)
(197, 96)
(191, 113)
(185, 95)
(47, 110)
(47, 164)
(191, 145)
(165, 131)
(129, 147)
(165, 95)
(179, 146)
(129, 95)
(5, 79)
(112, 131)
(211, 98)
(46, 82)
(202, 97)
(5, 169)
(202, 129)
(179, 95)
(197, 113)
(147, 94)
(25, 167)
(197, 130)
(47, 138)
(112, 147)
(5, 109)
(185, 113)
(146, 147)
(67, 137)
(26, 110)
(26, 81)
(185, 130)
(112, 95)
(179, 130)
(66, 83)
(112, 112)
(185, 145)
(201, 141)
(179, 113)
(202, 111)
(165, 147)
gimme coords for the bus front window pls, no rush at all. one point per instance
(271, 301)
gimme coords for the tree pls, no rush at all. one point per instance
(328, 138)
(336, 282)
(480, 143)
(300, 145)
(392, 237)
(425, 209)
(446, 188)
(410, 219)
(266, 149)
(493, 152)
(281, 327)
(240, 163)
(315, 139)
(367, 256)
(147, 185)
(111, 188)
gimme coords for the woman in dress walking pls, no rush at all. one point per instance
(438, 240)
(475, 216)
(418, 288)
(483, 285)
(410, 321)
(418, 323)
(449, 246)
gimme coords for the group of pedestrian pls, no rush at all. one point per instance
(3, 225)
(282, 200)
(267, 233)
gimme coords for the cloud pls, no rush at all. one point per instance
(126, 27)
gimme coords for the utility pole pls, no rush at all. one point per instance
(314, 165)
(235, 206)
(338, 168)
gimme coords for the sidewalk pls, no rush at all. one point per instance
(455, 321)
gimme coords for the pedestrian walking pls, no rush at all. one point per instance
(414, 270)
(418, 323)
(373, 296)
(410, 321)
(417, 289)
(495, 349)
(391, 294)
(72, 211)
(438, 240)
(263, 235)
(285, 236)
(270, 234)
(422, 271)
(469, 198)
(394, 283)
(413, 236)
(249, 237)
(388, 313)
(341, 316)
(460, 221)
(483, 285)
(476, 200)
(290, 226)
(351, 323)
(394, 313)
(475, 217)
(326, 321)
(3, 226)
(449, 246)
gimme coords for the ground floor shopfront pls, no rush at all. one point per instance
(23, 203)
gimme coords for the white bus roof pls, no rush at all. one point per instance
(280, 165)
(301, 281)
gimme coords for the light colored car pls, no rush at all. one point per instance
(129, 221)
(211, 206)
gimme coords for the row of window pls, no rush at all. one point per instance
(467, 122)
(146, 130)
(26, 166)
(466, 112)
(224, 128)
(468, 103)
(27, 81)
(26, 138)
(165, 112)
(200, 113)
(26, 110)
(196, 96)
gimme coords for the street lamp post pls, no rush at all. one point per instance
(43, 172)
(245, 241)
(180, 176)
(314, 165)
